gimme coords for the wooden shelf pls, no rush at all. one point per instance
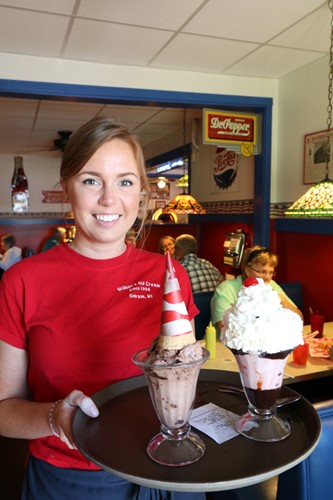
(9, 219)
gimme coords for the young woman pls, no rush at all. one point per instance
(71, 317)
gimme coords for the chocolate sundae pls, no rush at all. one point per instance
(173, 390)
(171, 366)
(261, 334)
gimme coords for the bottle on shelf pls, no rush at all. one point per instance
(20, 188)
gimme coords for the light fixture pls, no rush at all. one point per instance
(318, 200)
(161, 182)
(184, 203)
(183, 181)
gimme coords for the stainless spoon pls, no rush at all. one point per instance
(237, 390)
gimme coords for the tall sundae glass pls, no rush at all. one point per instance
(172, 390)
(261, 334)
(261, 376)
(171, 366)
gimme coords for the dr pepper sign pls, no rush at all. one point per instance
(237, 132)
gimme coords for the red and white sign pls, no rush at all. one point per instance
(232, 130)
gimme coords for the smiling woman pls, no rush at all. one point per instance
(71, 344)
(104, 180)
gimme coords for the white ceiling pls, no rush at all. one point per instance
(253, 38)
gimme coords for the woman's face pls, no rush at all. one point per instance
(258, 271)
(105, 197)
(168, 246)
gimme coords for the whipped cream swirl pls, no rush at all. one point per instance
(257, 322)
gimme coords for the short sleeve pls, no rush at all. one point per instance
(12, 330)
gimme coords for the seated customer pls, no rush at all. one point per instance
(166, 244)
(57, 237)
(203, 275)
(12, 253)
(257, 262)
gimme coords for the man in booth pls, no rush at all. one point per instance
(203, 275)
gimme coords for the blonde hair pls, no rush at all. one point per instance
(258, 256)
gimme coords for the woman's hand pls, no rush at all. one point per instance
(63, 415)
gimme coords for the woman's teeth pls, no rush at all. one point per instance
(107, 218)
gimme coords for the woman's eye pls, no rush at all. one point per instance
(126, 182)
(90, 182)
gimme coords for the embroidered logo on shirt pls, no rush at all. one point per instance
(140, 290)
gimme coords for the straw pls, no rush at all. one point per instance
(311, 311)
(308, 336)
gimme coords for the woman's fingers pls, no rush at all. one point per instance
(86, 404)
(65, 413)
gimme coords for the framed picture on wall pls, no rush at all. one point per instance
(160, 203)
(315, 146)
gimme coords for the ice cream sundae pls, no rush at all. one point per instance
(261, 334)
(171, 366)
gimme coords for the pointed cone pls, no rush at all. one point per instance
(176, 328)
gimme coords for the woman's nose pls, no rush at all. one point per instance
(107, 195)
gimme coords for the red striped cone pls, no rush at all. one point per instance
(176, 328)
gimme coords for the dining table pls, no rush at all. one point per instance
(315, 367)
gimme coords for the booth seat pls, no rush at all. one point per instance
(294, 290)
(312, 479)
(201, 321)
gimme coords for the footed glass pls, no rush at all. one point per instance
(172, 390)
(262, 378)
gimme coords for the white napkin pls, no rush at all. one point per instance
(216, 422)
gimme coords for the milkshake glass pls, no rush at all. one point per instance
(172, 390)
(262, 376)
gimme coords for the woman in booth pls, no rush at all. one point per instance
(167, 244)
(257, 262)
(68, 319)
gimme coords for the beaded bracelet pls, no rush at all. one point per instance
(53, 407)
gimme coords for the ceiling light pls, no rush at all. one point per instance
(318, 200)
(184, 204)
(161, 183)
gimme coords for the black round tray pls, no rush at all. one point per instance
(117, 439)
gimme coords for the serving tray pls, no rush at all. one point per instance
(117, 439)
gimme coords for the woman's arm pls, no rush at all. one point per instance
(285, 300)
(290, 305)
(24, 419)
(224, 296)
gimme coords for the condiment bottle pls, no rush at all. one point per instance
(211, 340)
(20, 190)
